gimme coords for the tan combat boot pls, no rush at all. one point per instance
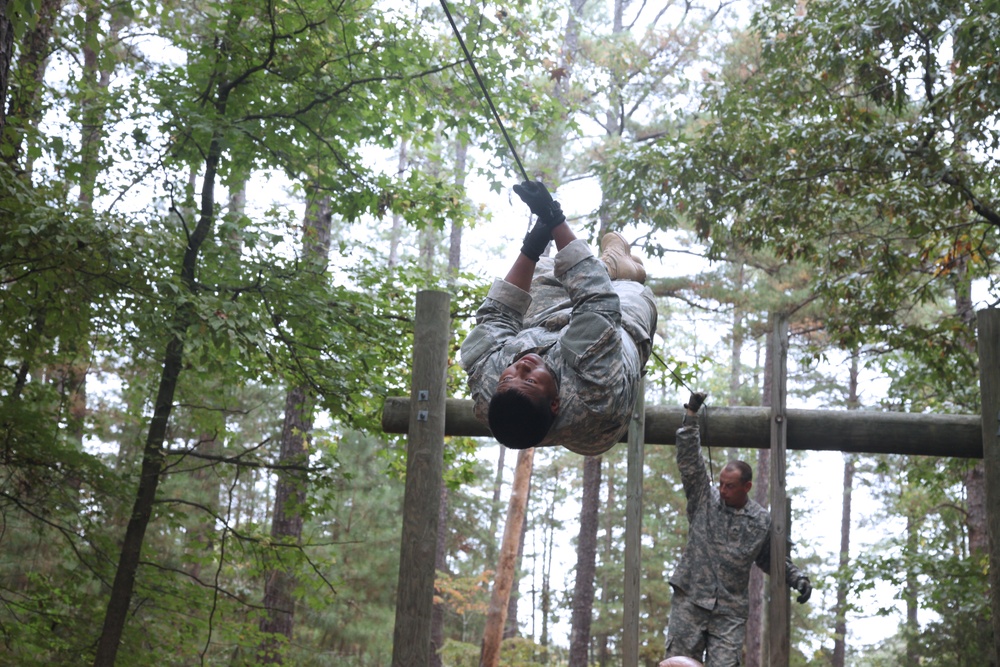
(617, 256)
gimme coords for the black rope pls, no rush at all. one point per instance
(671, 371)
(496, 116)
(703, 436)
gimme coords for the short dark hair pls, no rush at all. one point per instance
(518, 421)
(746, 472)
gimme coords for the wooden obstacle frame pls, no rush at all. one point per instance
(427, 416)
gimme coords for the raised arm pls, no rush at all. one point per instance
(694, 476)
(523, 269)
(550, 225)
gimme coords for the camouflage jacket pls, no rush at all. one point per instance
(723, 542)
(596, 364)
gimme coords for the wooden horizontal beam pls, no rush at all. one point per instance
(856, 431)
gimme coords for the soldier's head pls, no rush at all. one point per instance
(735, 482)
(524, 404)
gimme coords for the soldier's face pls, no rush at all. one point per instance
(732, 489)
(530, 376)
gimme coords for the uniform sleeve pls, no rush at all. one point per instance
(498, 319)
(694, 477)
(792, 572)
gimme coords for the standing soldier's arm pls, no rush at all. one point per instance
(794, 577)
(694, 475)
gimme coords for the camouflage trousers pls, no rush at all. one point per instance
(699, 633)
(551, 306)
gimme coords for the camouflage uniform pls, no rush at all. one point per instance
(593, 334)
(711, 584)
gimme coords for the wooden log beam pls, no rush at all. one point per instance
(855, 431)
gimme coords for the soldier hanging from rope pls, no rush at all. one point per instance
(560, 345)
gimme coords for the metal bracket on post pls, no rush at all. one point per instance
(423, 395)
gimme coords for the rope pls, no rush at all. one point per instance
(702, 422)
(671, 371)
(496, 116)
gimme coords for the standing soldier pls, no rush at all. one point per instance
(728, 533)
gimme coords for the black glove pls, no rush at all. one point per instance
(805, 589)
(538, 199)
(550, 216)
(535, 241)
(694, 403)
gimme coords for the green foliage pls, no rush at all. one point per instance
(813, 160)
(812, 145)
(515, 652)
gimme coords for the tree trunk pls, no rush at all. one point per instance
(202, 532)
(455, 237)
(397, 218)
(975, 478)
(152, 455)
(586, 564)
(516, 507)
(24, 106)
(977, 517)
(495, 507)
(603, 650)
(286, 527)
(840, 610)
(291, 484)
(511, 627)
(73, 372)
(6, 56)
(912, 591)
(735, 366)
(549, 543)
(454, 266)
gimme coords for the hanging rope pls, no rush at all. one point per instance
(703, 423)
(496, 116)
(671, 371)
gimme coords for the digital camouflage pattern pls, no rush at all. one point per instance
(712, 581)
(691, 626)
(593, 334)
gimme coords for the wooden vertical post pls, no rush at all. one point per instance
(988, 328)
(633, 529)
(424, 468)
(788, 604)
(778, 606)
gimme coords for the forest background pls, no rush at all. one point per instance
(216, 215)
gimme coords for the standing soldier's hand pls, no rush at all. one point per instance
(805, 589)
(694, 403)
